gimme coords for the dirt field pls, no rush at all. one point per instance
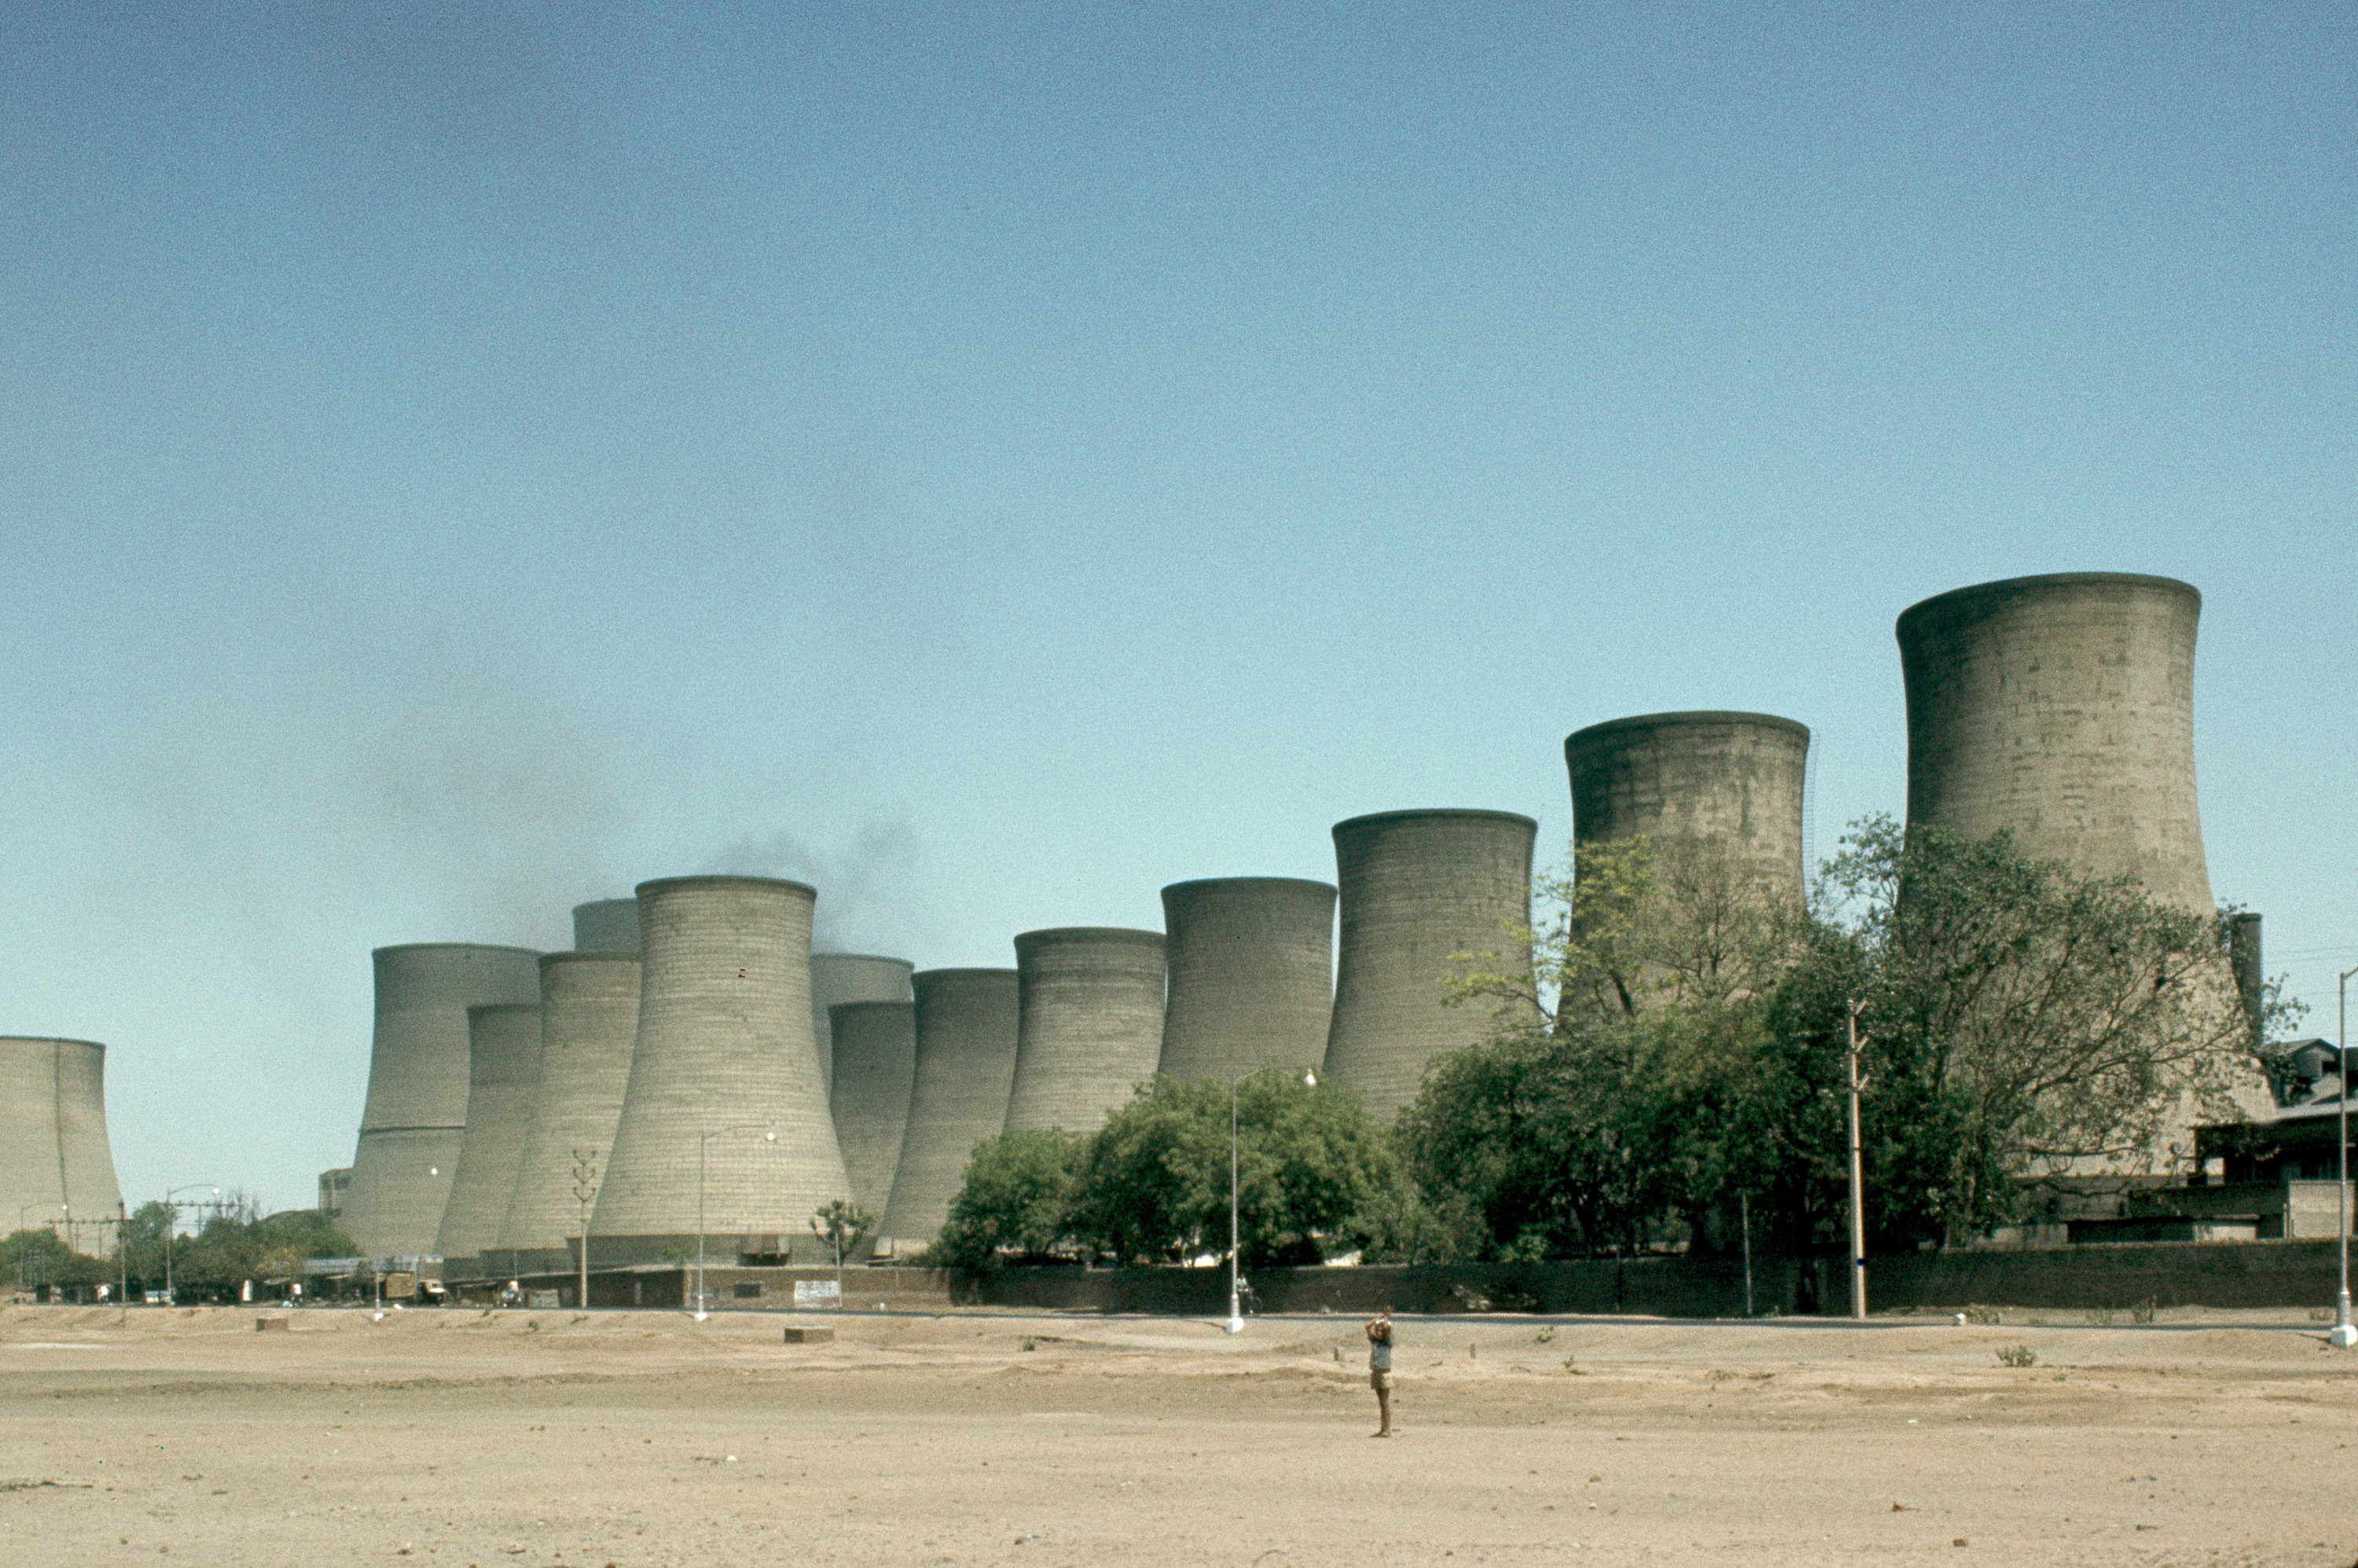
(630, 1439)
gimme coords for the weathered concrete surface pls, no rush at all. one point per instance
(607, 926)
(839, 978)
(589, 1027)
(966, 1067)
(1417, 887)
(504, 1078)
(876, 1073)
(724, 1128)
(1725, 785)
(1250, 961)
(415, 1119)
(56, 1165)
(1089, 1029)
(2063, 708)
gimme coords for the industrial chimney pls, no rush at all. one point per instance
(1089, 1026)
(2063, 708)
(1252, 975)
(502, 1078)
(723, 1117)
(965, 1069)
(875, 1069)
(416, 1116)
(589, 1027)
(1728, 785)
(1417, 887)
(839, 978)
(609, 926)
(56, 1166)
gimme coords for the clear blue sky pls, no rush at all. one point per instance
(456, 460)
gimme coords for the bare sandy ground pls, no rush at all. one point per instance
(642, 1438)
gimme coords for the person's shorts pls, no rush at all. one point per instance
(1381, 1381)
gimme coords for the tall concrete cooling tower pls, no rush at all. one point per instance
(966, 1067)
(416, 1116)
(609, 926)
(1417, 886)
(1089, 1028)
(588, 1026)
(2062, 707)
(875, 1068)
(56, 1166)
(1727, 783)
(839, 978)
(502, 1078)
(1252, 975)
(724, 1055)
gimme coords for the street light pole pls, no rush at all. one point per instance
(1857, 1179)
(770, 1134)
(2344, 1335)
(1236, 1311)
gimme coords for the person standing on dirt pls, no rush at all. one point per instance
(1380, 1367)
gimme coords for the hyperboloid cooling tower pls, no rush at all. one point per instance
(416, 1118)
(1089, 1024)
(1726, 784)
(2062, 707)
(1252, 975)
(875, 1068)
(502, 1078)
(588, 1026)
(839, 978)
(1416, 887)
(723, 1116)
(965, 1067)
(56, 1166)
(609, 926)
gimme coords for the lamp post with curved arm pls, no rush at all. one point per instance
(1235, 1312)
(771, 1135)
(171, 1223)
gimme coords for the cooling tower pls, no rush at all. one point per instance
(839, 978)
(1089, 1024)
(1417, 886)
(2062, 707)
(588, 1026)
(55, 1167)
(503, 1076)
(724, 1055)
(1250, 961)
(416, 1118)
(609, 926)
(333, 1185)
(875, 1066)
(1727, 783)
(965, 1067)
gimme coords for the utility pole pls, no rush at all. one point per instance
(585, 1192)
(2344, 1335)
(1858, 1178)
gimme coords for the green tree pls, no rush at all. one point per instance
(1154, 1182)
(843, 1225)
(1014, 1200)
(2027, 1020)
(39, 1256)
